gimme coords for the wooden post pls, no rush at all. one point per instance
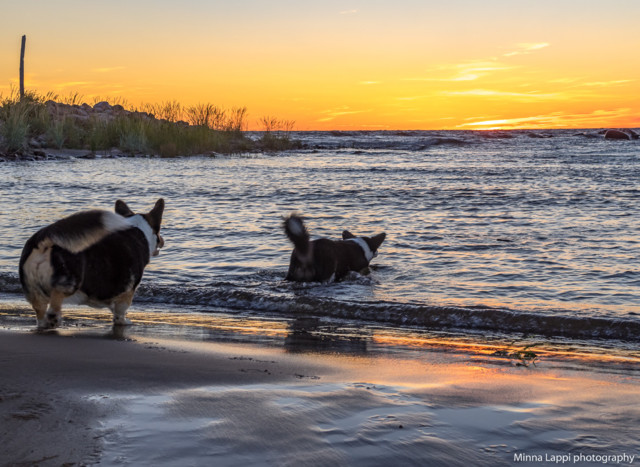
(24, 41)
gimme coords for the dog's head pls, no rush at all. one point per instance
(373, 242)
(153, 219)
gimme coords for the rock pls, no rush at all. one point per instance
(79, 118)
(81, 112)
(102, 107)
(616, 134)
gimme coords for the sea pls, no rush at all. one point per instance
(513, 233)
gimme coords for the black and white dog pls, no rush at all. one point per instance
(92, 257)
(323, 259)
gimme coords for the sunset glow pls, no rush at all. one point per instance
(364, 65)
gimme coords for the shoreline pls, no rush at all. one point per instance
(302, 332)
(269, 141)
(238, 393)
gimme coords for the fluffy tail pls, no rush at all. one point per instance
(297, 233)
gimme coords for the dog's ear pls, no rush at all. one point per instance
(376, 241)
(346, 235)
(123, 209)
(154, 217)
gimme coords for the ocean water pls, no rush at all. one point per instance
(508, 232)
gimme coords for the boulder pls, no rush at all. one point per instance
(102, 106)
(616, 134)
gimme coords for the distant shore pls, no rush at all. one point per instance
(39, 127)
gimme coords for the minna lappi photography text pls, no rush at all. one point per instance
(576, 458)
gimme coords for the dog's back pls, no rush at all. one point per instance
(92, 257)
(323, 259)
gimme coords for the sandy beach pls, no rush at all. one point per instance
(223, 394)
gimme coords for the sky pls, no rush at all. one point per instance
(340, 65)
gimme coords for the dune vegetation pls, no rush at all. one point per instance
(35, 123)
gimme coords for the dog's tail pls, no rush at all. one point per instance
(297, 233)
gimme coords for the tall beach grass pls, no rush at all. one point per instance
(166, 129)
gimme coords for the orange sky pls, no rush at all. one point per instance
(400, 64)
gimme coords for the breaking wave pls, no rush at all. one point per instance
(282, 303)
(411, 315)
(424, 140)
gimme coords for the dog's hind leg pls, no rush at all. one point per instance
(40, 307)
(53, 317)
(119, 308)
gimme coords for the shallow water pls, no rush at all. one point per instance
(517, 231)
(407, 408)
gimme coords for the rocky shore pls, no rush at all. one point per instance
(38, 147)
(44, 130)
(54, 130)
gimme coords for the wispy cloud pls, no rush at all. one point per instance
(526, 96)
(349, 12)
(565, 80)
(107, 69)
(369, 83)
(411, 98)
(609, 83)
(527, 48)
(332, 114)
(69, 84)
(596, 118)
(476, 69)
(466, 71)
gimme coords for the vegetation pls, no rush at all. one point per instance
(166, 129)
(277, 134)
(522, 357)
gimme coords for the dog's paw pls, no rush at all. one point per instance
(50, 321)
(121, 321)
(43, 324)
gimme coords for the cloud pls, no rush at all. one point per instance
(609, 83)
(527, 48)
(74, 84)
(349, 12)
(369, 83)
(523, 96)
(466, 71)
(475, 69)
(107, 69)
(332, 114)
(411, 98)
(596, 118)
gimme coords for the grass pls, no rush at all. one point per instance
(15, 128)
(277, 134)
(166, 129)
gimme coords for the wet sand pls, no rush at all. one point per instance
(85, 395)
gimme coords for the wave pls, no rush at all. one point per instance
(434, 317)
(420, 140)
(9, 283)
(292, 301)
(382, 140)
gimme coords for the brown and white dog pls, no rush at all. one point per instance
(92, 257)
(323, 259)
